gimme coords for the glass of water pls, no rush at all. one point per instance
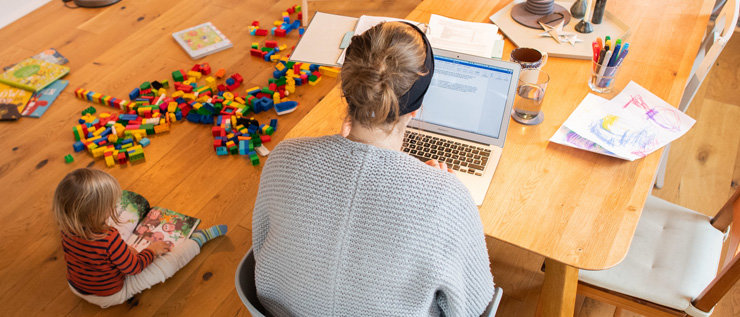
(530, 93)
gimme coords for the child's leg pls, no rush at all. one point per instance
(162, 268)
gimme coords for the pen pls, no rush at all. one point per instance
(615, 56)
(595, 46)
(600, 77)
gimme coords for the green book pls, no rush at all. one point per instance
(33, 74)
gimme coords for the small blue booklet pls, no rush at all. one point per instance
(42, 100)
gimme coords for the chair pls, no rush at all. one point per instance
(247, 290)
(670, 268)
(711, 47)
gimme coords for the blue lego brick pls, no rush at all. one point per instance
(134, 93)
(78, 146)
(144, 142)
(221, 150)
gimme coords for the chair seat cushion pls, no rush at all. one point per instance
(673, 256)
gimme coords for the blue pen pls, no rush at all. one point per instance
(615, 56)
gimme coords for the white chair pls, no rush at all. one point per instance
(712, 45)
(245, 287)
(670, 268)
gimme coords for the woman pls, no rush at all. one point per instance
(352, 226)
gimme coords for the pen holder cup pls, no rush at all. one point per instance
(602, 78)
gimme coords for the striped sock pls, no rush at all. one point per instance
(203, 236)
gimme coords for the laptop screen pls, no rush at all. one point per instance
(467, 96)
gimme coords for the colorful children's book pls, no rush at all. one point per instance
(33, 74)
(202, 40)
(50, 55)
(148, 224)
(42, 100)
(9, 112)
(14, 96)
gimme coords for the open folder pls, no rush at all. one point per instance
(327, 36)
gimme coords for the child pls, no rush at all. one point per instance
(101, 268)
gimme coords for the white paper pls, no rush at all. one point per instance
(480, 39)
(367, 21)
(320, 43)
(567, 137)
(632, 125)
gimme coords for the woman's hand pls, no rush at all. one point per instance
(159, 247)
(435, 164)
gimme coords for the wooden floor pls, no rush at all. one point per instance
(183, 173)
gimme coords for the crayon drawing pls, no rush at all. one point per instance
(666, 118)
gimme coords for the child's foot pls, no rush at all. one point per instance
(203, 236)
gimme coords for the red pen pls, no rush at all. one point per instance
(596, 47)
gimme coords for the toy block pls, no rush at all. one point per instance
(144, 142)
(78, 146)
(261, 32)
(109, 160)
(196, 68)
(265, 138)
(178, 76)
(271, 44)
(145, 85)
(195, 75)
(165, 84)
(329, 71)
(301, 30)
(262, 150)
(221, 150)
(274, 123)
(134, 93)
(156, 85)
(254, 159)
(286, 107)
(255, 23)
(68, 158)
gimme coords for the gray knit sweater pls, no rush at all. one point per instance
(347, 229)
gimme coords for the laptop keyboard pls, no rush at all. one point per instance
(461, 157)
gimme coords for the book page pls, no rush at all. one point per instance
(162, 224)
(131, 208)
(480, 39)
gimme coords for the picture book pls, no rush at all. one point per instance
(9, 112)
(42, 100)
(145, 224)
(202, 40)
(33, 74)
(14, 96)
(50, 55)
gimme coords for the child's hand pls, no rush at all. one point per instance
(159, 247)
(436, 164)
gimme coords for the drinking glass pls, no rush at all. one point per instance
(530, 93)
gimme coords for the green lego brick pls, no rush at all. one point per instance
(254, 159)
(68, 158)
(145, 85)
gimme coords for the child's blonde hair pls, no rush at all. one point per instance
(83, 202)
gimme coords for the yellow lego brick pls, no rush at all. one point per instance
(283, 47)
(329, 71)
(228, 95)
(277, 23)
(274, 57)
(162, 91)
(313, 83)
(194, 74)
(98, 152)
(112, 138)
(276, 97)
(280, 67)
(172, 107)
(178, 94)
(188, 97)
(240, 100)
(211, 83)
(305, 66)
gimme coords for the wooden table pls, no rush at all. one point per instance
(576, 208)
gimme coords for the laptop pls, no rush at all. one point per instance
(464, 118)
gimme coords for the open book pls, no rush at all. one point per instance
(144, 224)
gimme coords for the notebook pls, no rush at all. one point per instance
(464, 118)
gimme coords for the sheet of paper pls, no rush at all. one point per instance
(367, 21)
(632, 125)
(320, 43)
(567, 137)
(480, 39)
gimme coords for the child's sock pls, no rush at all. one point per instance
(203, 236)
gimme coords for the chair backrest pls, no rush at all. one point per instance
(713, 44)
(246, 288)
(728, 216)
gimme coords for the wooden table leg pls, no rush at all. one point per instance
(558, 295)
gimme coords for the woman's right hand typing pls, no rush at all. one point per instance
(436, 164)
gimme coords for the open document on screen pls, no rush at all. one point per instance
(467, 96)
